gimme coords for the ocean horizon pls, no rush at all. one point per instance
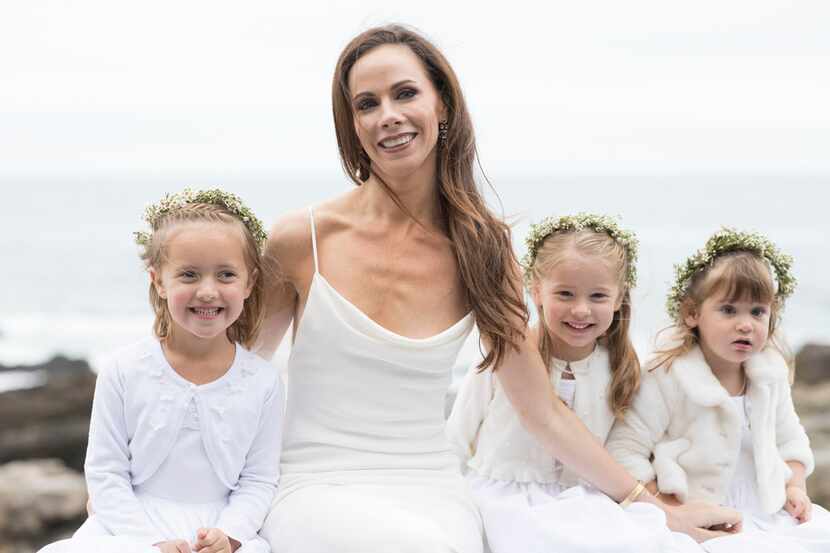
(78, 288)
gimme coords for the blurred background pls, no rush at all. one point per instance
(677, 117)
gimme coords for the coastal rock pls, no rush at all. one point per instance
(811, 404)
(40, 501)
(49, 421)
(812, 364)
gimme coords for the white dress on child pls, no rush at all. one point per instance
(765, 533)
(185, 493)
(530, 502)
(366, 467)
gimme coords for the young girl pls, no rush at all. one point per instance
(714, 419)
(579, 270)
(185, 431)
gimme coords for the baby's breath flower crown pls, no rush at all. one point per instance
(725, 241)
(575, 223)
(155, 213)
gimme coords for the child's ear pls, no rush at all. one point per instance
(155, 279)
(691, 319)
(251, 282)
(535, 293)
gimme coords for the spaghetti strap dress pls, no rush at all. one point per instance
(366, 466)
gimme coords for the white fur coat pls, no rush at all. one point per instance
(683, 417)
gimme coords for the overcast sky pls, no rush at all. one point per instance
(597, 87)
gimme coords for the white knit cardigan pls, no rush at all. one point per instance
(487, 435)
(683, 417)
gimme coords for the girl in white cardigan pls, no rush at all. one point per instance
(714, 418)
(579, 270)
(184, 438)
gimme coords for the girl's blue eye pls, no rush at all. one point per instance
(564, 294)
(188, 275)
(759, 311)
(599, 296)
(727, 309)
(227, 275)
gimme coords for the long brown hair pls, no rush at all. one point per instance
(481, 241)
(246, 328)
(625, 364)
(735, 275)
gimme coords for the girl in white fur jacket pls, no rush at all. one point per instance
(714, 418)
(580, 270)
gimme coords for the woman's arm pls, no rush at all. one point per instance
(287, 253)
(559, 430)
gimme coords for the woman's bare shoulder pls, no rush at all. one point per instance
(289, 242)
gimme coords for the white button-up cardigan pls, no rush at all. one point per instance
(683, 416)
(486, 433)
(139, 406)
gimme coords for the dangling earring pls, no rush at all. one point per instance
(443, 131)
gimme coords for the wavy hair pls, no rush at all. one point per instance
(625, 364)
(481, 241)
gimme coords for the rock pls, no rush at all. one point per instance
(40, 501)
(812, 364)
(51, 420)
(811, 404)
(58, 364)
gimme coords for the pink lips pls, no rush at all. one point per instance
(742, 346)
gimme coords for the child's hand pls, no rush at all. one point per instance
(173, 546)
(212, 540)
(798, 504)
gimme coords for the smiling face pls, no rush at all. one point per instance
(204, 278)
(577, 297)
(396, 112)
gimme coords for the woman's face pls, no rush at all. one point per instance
(396, 111)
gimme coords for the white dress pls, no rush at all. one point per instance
(365, 465)
(766, 533)
(185, 493)
(552, 517)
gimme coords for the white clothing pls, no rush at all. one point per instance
(214, 451)
(365, 463)
(772, 533)
(528, 501)
(684, 417)
(489, 438)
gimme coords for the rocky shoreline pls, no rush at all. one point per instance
(44, 432)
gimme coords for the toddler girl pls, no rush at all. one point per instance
(185, 431)
(579, 270)
(714, 419)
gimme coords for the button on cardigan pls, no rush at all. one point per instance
(139, 408)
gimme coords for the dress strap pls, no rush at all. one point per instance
(313, 239)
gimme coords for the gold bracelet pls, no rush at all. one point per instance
(632, 497)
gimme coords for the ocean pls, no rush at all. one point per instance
(73, 283)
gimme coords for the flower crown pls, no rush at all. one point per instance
(171, 203)
(725, 241)
(575, 223)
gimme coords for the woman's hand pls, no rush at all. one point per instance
(173, 546)
(213, 540)
(798, 504)
(702, 521)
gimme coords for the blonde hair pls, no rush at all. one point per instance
(734, 276)
(246, 328)
(625, 365)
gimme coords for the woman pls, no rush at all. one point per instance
(383, 285)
